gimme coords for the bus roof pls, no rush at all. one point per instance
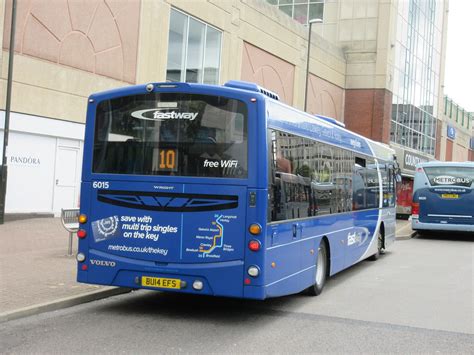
(291, 120)
(382, 151)
(446, 163)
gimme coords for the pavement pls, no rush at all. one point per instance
(404, 230)
(37, 276)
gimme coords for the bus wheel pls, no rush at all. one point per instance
(380, 249)
(321, 270)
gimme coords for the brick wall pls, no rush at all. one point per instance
(449, 150)
(368, 112)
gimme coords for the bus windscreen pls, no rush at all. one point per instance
(175, 134)
(449, 175)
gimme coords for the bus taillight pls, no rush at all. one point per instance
(415, 209)
(81, 233)
(254, 245)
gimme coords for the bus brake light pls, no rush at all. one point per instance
(81, 233)
(415, 209)
(254, 245)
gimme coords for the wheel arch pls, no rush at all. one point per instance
(325, 240)
(382, 231)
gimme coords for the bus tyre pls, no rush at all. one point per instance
(321, 271)
(380, 249)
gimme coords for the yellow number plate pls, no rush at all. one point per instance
(449, 196)
(159, 282)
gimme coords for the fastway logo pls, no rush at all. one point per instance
(157, 115)
(357, 237)
(103, 263)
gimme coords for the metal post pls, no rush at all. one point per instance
(11, 52)
(310, 24)
(69, 249)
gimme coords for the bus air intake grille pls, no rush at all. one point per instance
(167, 201)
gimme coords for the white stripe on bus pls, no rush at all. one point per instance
(302, 240)
(286, 277)
(448, 215)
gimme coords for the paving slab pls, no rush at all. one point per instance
(404, 231)
(34, 266)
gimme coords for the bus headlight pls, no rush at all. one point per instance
(253, 271)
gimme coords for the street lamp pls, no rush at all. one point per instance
(310, 23)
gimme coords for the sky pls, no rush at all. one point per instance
(459, 75)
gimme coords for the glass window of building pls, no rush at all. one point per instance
(194, 50)
(417, 68)
(301, 10)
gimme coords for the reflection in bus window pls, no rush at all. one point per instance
(310, 178)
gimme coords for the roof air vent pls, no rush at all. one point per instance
(245, 85)
(331, 120)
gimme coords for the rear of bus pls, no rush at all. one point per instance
(169, 190)
(443, 197)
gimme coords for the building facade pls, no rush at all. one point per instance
(456, 132)
(365, 69)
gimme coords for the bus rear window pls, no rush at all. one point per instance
(171, 134)
(450, 175)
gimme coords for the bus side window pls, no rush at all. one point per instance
(289, 183)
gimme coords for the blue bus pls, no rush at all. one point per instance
(443, 197)
(226, 191)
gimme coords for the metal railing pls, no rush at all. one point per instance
(70, 220)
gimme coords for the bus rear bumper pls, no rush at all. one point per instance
(417, 225)
(217, 279)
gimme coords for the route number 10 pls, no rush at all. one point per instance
(167, 159)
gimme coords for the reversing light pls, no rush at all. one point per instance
(82, 218)
(254, 245)
(253, 271)
(81, 233)
(198, 285)
(255, 229)
(80, 257)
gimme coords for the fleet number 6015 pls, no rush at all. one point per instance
(100, 184)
